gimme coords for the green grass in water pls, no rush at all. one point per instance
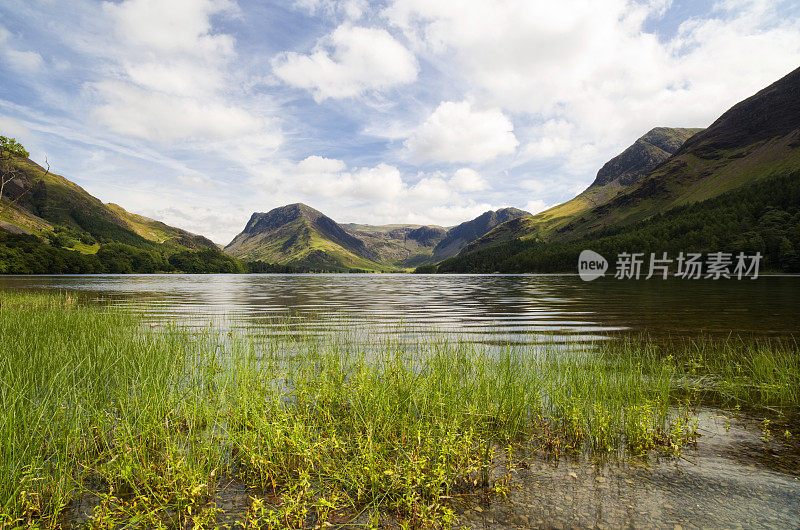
(154, 422)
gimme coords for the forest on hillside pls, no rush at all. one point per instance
(762, 217)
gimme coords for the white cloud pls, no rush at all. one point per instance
(553, 138)
(378, 194)
(23, 61)
(174, 27)
(170, 80)
(319, 165)
(317, 176)
(352, 9)
(536, 206)
(449, 214)
(133, 111)
(197, 181)
(348, 62)
(12, 128)
(589, 66)
(431, 190)
(455, 132)
(466, 179)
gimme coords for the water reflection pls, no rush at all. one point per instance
(486, 308)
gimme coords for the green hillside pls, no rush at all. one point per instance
(49, 224)
(761, 217)
(618, 174)
(301, 236)
(757, 139)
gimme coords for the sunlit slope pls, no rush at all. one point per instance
(159, 232)
(616, 176)
(37, 201)
(757, 138)
(301, 236)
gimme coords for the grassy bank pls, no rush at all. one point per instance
(151, 425)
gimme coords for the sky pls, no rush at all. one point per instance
(200, 112)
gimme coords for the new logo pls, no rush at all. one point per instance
(591, 265)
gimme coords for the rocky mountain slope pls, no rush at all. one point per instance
(462, 235)
(402, 245)
(301, 236)
(619, 173)
(756, 140)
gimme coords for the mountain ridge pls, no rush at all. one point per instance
(624, 170)
(41, 200)
(298, 235)
(756, 140)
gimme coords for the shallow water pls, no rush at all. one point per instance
(485, 308)
(731, 479)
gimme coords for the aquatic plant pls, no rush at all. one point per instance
(149, 425)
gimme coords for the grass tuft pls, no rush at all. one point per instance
(149, 425)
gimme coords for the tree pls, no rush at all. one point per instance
(10, 151)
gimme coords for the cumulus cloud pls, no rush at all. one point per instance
(551, 139)
(466, 179)
(317, 176)
(348, 62)
(536, 206)
(455, 132)
(171, 81)
(590, 69)
(376, 194)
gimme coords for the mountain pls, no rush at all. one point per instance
(619, 173)
(399, 244)
(756, 140)
(37, 201)
(460, 236)
(301, 236)
(297, 235)
(49, 224)
(159, 232)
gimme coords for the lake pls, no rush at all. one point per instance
(732, 478)
(481, 308)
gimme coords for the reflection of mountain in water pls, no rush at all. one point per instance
(484, 308)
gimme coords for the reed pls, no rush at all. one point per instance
(152, 424)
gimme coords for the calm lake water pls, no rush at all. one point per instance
(485, 308)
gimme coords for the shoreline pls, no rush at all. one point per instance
(149, 421)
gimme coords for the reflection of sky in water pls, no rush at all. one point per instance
(518, 308)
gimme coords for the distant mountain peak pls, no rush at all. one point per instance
(297, 233)
(648, 151)
(277, 217)
(462, 235)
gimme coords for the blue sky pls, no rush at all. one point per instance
(199, 112)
